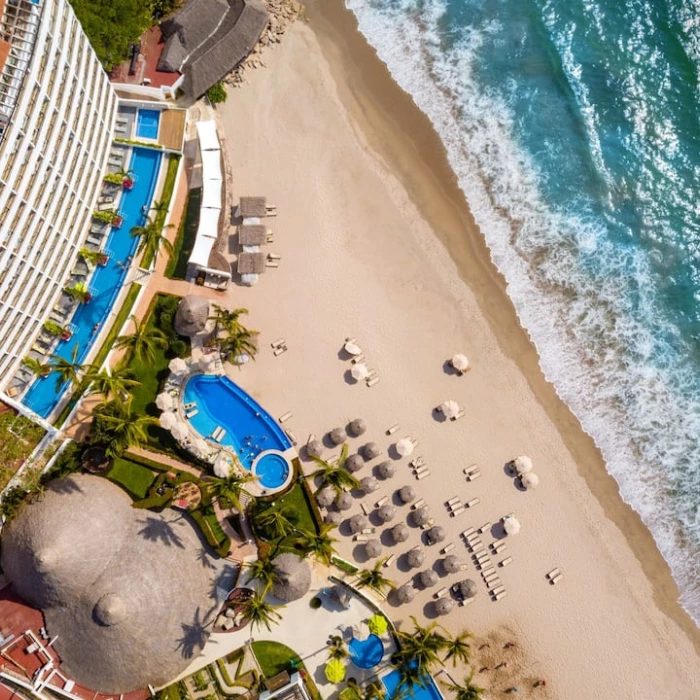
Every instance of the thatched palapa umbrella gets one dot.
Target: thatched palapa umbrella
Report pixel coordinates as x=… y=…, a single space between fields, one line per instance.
x=344 y=501
x=369 y=484
x=357 y=427
x=337 y=436
x=435 y=534
x=407 y=494
x=325 y=497
x=358 y=523
x=314 y=448
x=404 y=447
x=385 y=470
x=465 y=589
x=399 y=533
x=452 y=564
x=192 y=315
x=406 y=593
x=386 y=513
x=292 y=577
x=427 y=578
x=415 y=558
x=370 y=451
x=421 y=516
x=354 y=463
x=444 y=605
x=373 y=548
x=332 y=517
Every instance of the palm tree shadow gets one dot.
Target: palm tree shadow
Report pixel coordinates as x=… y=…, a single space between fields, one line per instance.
x=205 y=559
x=159 y=530
x=194 y=637
x=65 y=486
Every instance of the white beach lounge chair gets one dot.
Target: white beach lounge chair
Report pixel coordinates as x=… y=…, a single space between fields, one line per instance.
x=418 y=504
x=285 y=416
x=453 y=501
x=471 y=468
x=357 y=359
x=368 y=531
x=393 y=429
x=553 y=573
x=390 y=560
x=272 y=263
x=485 y=526
x=278 y=351
x=423 y=475
x=500 y=595
x=506 y=561
x=364 y=508
x=457 y=511
x=192 y=413
x=498 y=589
x=381 y=502
x=278 y=343
x=469 y=531
x=441 y=593
x=361 y=538
x=473 y=502
x=474 y=475
x=447 y=548
x=372 y=381
x=554 y=581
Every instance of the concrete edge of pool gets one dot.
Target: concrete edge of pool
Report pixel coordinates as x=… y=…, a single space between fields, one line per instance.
x=284 y=456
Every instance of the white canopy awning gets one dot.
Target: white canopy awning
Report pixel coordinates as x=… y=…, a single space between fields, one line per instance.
x=211 y=195
x=208 y=224
x=201 y=251
x=208 y=138
x=211 y=165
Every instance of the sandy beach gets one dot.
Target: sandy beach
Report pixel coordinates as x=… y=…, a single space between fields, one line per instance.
x=376 y=243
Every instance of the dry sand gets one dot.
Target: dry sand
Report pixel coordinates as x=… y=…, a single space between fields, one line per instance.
x=362 y=192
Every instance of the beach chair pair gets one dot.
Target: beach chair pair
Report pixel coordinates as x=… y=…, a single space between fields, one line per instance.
x=422 y=473
x=372 y=378
x=189 y=405
x=455 y=506
x=554 y=576
x=218 y=434
x=418 y=504
x=191 y=413
x=472 y=472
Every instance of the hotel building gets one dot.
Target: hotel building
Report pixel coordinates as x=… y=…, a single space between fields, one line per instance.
x=57 y=115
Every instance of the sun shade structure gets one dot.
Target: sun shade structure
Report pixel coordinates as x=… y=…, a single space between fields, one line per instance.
x=450 y=408
x=415 y=558
x=435 y=534
x=180 y=430
x=378 y=624
x=452 y=564
x=325 y=497
x=530 y=480
x=460 y=362
x=337 y=436
x=358 y=523
x=332 y=517
x=407 y=494
x=354 y=463
x=335 y=671
x=251 y=263
x=192 y=315
x=352 y=348
x=386 y=513
x=373 y=548
x=511 y=525
x=421 y=516
x=399 y=533
x=370 y=451
x=385 y=470
x=167 y=420
x=359 y=371
x=344 y=501
x=428 y=578
x=314 y=448
x=126 y=593
x=252 y=207
x=406 y=593
x=404 y=447
x=252 y=234
x=466 y=588
x=444 y=606
x=292 y=577
x=369 y=484
x=357 y=427
x=165 y=402
x=222 y=467
x=178 y=366
x=522 y=464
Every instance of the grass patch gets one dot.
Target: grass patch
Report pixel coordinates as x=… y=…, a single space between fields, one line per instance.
x=274 y=658
x=165 y=197
x=186 y=235
x=132 y=477
x=343 y=565
x=101 y=356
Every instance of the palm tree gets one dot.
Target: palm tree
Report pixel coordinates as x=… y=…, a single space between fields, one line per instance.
x=458 y=648
x=410 y=677
x=230 y=488
x=68 y=370
x=241 y=342
x=422 y=646
x=334 y=475
x=228 y=320
x=336 y=648
x=143 y=342
x=374 y=578
x=262 y=569
x=120 y=427
x=468 y=691
x=151 y=238
x=111 y=385
x=160 y=208
x=276 y=523
x=320 y=543
x=37 y=368
x=259 y=612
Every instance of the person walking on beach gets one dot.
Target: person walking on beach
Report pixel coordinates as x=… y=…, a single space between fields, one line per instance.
x=509 y=645
x=503 y=664
x=539 y=683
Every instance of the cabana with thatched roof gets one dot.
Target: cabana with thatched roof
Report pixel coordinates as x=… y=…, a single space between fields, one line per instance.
x=124 y=592
x=252 y=208
x=292 y=577
x=251 y=263
x=252 y=234
x=192 y=315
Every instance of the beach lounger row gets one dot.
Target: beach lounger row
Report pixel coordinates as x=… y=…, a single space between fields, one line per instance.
x=455 y=506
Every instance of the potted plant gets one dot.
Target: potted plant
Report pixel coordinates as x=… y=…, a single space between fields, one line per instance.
x=53 y=328
x=117 y=221
x=93 y=257
x=36 y=367
x=66 y=333
x=79 y=292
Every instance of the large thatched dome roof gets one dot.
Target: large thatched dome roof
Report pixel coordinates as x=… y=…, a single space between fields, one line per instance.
x=128 y=593
x=192 y=315
x=292 y=577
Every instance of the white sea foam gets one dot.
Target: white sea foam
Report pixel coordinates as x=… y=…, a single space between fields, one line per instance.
x=586 y=303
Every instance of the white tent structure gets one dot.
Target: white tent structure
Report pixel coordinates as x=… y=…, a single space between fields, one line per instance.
x=206 y=133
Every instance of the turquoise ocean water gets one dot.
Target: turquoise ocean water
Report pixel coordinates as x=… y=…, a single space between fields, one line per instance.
x=574 y=129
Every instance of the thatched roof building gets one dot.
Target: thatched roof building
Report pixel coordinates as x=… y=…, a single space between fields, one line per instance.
x=207 y=39
x=126 y=593
x=192 y=315
x=292 y=577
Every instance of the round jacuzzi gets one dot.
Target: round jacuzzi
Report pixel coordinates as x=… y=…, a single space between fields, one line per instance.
x=366 y=653
x=273 y=470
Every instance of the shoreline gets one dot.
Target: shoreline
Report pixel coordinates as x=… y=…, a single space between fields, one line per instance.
x=404 y=140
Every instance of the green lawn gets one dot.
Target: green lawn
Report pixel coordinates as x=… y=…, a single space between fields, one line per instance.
x=274 y=657
x=186 y=235
x=133 y=477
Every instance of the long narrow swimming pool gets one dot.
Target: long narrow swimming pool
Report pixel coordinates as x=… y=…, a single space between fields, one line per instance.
x=105 y=283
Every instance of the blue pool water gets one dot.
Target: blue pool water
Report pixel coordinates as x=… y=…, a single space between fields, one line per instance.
x=366 y=653
x=272 y=470
x=147 y=123
x=250 y=430
x=105 y=282
x=428 y=691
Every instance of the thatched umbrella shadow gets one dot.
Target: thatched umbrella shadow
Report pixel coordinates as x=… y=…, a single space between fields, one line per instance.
x=438 y=415
x=402 y=563
x=386 y=538
x=158 y=530
x=498 y=532
x=429 y=611
x=447 y=368
x=194 y=637
x=205 y=559
x=359 y=554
